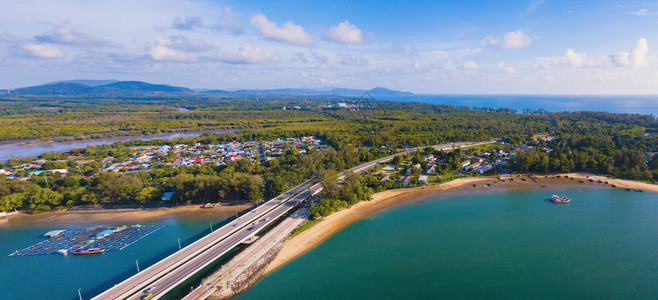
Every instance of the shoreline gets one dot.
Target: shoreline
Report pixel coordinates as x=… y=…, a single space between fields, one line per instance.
x=64 y=217
x=332 y=224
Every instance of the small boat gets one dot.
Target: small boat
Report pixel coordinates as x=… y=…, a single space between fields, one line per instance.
x=87 y=251
x=560 y=199
x=639 y=190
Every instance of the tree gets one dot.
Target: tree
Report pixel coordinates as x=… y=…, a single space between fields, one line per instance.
x=148 y=194
x=114 y=187
x=329 y=181
x=397 y=160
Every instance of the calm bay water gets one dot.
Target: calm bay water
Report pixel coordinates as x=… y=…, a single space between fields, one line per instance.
x=502 y=245
x=59 y=276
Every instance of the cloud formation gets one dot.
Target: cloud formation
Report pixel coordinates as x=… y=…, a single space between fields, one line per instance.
x=470 y=65
x=69 y=36
x=251 y=55
x=228 y=24
x=163 y=51
x=505 y=68
x=42 y=50
x=288 y=33
x=571 y=58
x=187 y=23
x=511 y=40
x=344 y=33
x=642 y=12
x=637 y=57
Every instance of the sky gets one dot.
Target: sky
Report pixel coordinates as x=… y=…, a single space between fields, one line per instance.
x=426 y=47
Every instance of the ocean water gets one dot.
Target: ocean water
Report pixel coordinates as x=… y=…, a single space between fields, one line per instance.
x=553 y=103
x=502 y=245
x=60 y=277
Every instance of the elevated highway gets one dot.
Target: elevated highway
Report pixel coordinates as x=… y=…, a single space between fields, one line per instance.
x=171 y=271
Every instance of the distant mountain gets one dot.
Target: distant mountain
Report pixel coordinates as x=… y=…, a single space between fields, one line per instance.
x=64 y=89
x=146 y=87
x=281 y=92
x=308 y=92
x=222 y=92
x=347 y=92
x=378 y=91
x=89 y=82
x=113 y=88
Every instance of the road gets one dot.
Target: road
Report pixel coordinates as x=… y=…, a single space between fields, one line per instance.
x=142 y=279
x=176 y=268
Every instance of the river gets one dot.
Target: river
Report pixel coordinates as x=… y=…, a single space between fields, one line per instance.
x=27 y=149
x=505 y=245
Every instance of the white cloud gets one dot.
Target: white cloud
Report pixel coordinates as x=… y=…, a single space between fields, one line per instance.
x=571 y=58
x=344 y=33
x=69 y=36
x=637 y=57
x=163 y=51
x=187 y=23
x=505 y=68
x=457 y=53
x=348 y=59
x=43 y=50
x=511 y=40
x=289 y=32
x=184 y=43
x=251 y=55
x=532 y=7
x=642 y=12
x=470 y=65
x=228 y=24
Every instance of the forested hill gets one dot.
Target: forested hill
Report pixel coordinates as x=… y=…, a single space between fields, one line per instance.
x=116 y=89
x=113 y=88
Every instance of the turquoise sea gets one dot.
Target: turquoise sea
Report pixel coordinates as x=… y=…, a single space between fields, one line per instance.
x=501 y=245
x=554 y=103
x=60 y=277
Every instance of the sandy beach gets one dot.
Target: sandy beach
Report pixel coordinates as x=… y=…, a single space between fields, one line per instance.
x=320 y=232
x=120 y=216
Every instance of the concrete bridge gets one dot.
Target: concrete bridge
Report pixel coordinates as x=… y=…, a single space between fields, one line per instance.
x=173 y=270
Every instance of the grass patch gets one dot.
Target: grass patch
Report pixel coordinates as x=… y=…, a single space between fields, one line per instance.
x=303 y=228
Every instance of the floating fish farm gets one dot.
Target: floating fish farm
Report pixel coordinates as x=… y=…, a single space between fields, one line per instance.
x=103 y=238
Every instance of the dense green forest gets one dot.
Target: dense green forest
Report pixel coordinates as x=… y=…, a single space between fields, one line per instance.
x=614 y=144
x=601 y=143
x=380 y=122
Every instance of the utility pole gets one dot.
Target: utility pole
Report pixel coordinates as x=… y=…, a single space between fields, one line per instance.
x=137 y=263
x=79 y=295
x=46 y=179
x=210 y=226
x=179 y=244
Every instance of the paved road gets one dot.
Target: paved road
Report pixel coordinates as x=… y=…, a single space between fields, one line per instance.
x=143 y=279
x=171 y=271
x=191 y=267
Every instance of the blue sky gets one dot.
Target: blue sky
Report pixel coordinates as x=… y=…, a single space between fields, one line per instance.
x=440 y=47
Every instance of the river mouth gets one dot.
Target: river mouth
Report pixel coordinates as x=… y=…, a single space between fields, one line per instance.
x=34 y=148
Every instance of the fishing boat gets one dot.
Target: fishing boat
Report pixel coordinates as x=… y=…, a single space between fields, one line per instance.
x=87 y=251
x=560 y=199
